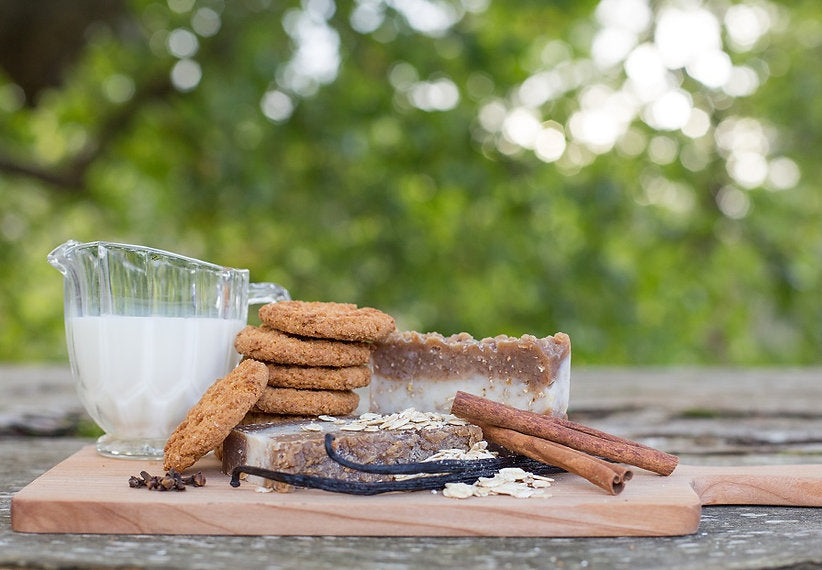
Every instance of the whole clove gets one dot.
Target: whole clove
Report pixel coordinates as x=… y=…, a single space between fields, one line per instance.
x=171 y=481
x=196 y=480
x=136 y=482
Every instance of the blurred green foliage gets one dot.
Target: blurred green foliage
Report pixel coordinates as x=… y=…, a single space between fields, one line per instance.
x=344 y=183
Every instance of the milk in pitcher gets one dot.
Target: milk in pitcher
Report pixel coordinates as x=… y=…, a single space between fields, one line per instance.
x=140 y=375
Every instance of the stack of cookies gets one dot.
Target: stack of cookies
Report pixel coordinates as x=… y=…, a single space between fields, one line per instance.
x=316 y=354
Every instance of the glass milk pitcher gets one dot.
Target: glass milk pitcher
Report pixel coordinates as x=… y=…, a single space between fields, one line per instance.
x=148 y=332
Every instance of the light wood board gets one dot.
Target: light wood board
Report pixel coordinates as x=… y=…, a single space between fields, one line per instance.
x=88 y=493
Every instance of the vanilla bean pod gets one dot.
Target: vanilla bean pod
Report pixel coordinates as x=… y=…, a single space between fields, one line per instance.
x=346 y=486
x=358 y=487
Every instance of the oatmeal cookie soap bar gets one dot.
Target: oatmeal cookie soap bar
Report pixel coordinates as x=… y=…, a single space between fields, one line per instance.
x=424 y=371
x=298 y=446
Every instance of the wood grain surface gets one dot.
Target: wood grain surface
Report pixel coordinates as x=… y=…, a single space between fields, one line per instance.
x=88 y=493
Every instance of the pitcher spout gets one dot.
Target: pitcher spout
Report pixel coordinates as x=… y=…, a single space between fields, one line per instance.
x=58 y=258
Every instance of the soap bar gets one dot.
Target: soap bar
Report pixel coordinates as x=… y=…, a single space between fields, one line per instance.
x=298 y=446
x=425 y=371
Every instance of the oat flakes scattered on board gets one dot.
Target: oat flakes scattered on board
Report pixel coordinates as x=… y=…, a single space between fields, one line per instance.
x=511 y=481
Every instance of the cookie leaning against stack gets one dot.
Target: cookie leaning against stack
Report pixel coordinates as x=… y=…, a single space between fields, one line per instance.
x=316 y=353
x=211 y=419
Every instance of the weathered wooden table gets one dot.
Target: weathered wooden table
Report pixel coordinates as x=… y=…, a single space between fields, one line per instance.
x=707 y=416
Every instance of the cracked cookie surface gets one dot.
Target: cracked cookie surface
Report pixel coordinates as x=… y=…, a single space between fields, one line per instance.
x=291 y=401
x=318 y=377
x=338 y=321
x=272 y=345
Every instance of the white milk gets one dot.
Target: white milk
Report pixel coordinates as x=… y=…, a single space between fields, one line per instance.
x=138 y=376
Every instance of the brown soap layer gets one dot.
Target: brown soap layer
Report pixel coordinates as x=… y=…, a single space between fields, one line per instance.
x=411 y=355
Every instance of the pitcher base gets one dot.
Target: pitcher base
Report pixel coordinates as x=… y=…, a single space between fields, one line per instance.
x=151 y=449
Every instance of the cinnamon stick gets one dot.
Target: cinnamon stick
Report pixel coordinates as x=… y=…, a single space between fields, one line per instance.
x=608 y=476
x=483 y=411
x=597 y=433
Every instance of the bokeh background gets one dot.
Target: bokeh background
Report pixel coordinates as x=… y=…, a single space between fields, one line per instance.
x=643 y=176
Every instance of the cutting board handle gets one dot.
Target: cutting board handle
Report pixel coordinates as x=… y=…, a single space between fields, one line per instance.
x=793 y=485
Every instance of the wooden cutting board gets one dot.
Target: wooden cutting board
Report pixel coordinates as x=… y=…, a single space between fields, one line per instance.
x=88 y=493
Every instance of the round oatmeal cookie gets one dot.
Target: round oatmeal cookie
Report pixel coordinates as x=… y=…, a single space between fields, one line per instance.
x=318 y=377
x=338 y=321
x=307 y=402
x=211 y=419
x=266 y=343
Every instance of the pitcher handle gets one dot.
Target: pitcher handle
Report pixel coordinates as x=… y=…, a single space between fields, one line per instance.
x=259 y=293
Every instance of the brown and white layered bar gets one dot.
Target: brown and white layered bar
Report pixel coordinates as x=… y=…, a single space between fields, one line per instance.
x=425 y=371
